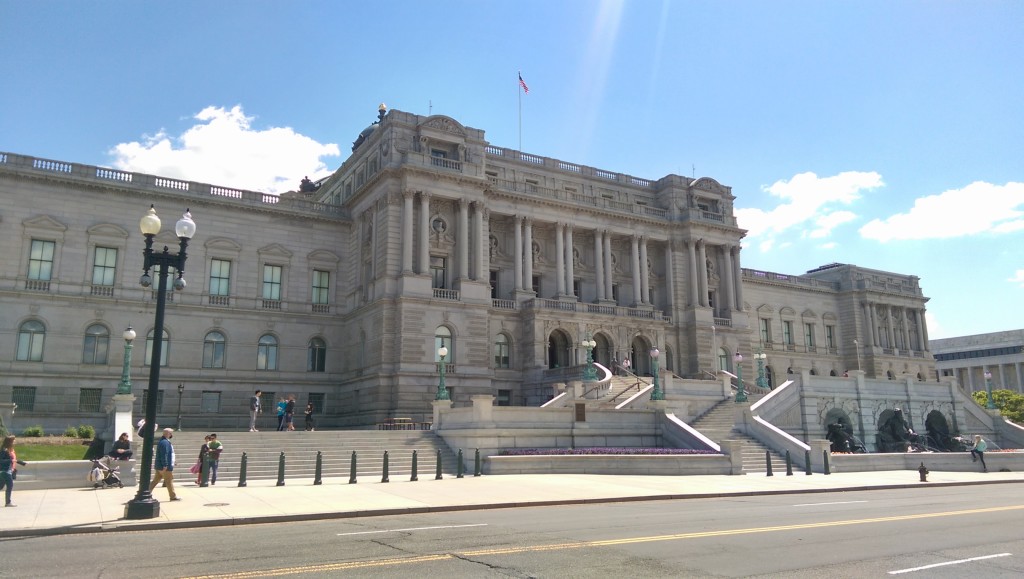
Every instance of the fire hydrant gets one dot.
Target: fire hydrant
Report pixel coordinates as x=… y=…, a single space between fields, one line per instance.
x=923 y=471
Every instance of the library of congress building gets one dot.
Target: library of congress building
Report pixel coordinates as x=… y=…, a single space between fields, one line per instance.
x=344 y=291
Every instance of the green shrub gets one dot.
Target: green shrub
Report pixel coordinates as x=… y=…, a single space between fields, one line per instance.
x=33 y=431
x=71 y=432
x=86 y=431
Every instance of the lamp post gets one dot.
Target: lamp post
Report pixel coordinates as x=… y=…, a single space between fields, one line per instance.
x=442 y=392
x=125 y=385
x=181 y=390
x=589 y=372
x=991 y=405
x=761 y=381
x=657 y=393
x=144 y=506
x=741 y=394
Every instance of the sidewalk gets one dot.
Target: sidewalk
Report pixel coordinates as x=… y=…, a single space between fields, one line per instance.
x=84 y=510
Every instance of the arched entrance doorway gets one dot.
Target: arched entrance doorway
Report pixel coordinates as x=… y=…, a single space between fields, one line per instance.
x=640 y=354
x=559 y=350
x=603 y=350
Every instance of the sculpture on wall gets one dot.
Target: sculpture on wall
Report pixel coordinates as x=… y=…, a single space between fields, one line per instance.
x=895 y=434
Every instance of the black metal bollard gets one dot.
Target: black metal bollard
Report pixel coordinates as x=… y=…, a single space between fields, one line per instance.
x=204 y=473
x=768 y=461
x=318 y=476
x=384 y=477
x=438 y=476
x=415 y=476
x=460 y=468
x=789 y=464
x=824 y=456
x=242 y=469
x=352 y=470
x=476 y=465
x=280 y=470
x=807 y=462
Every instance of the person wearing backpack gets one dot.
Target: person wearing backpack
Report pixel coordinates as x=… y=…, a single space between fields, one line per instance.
x=213 y=457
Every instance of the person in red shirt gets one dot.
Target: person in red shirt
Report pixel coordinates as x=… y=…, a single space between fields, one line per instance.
x=8 y=468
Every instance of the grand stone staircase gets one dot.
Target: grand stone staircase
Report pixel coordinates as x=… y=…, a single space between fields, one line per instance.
x=621 y=389
x=263 y=450
x=717 y=424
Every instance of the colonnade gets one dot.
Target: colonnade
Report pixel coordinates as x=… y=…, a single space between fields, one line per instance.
x=465 y=267
x=885 y=335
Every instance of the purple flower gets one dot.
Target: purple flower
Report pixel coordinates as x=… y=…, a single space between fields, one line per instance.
x=602 y=451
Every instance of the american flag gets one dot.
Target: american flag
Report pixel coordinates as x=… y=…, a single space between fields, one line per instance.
x=522 y=83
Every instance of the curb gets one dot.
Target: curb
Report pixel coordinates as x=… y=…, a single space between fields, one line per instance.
x=126 y=526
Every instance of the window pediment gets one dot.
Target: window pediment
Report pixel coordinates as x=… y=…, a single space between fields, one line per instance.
x=274 y=250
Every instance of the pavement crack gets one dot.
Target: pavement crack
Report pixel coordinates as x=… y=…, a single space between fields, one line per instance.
x=499 y=568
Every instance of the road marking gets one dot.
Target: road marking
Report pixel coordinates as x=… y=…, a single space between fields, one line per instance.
x=933 y=565
x=836 y=503
x=413 y=529
x=590 y=544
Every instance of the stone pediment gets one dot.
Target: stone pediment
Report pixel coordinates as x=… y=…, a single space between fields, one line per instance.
x=44 y=222
x=445 y=125
x=808 y=314
x=765 y=309
x=323 y=256
x=710 y=185
x=223 y=244
x=107 y=230
x=274 y=250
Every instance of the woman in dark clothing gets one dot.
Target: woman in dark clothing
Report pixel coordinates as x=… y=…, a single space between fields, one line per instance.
x=289 y=413
x=122 y=449
x=309 y=417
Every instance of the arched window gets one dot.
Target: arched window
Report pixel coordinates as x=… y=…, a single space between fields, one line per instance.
x=723 y=359
x=31 y=336
x=501 y=351
x=97 y=342
x=443 y=337
x=165 y=347
x=317 y=358
x=213 y=350
x=266 y=355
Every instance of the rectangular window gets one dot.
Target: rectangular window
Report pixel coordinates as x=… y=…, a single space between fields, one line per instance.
x=103 y=266
x=494 y=284
x=787 y=332
x=24 y=397
x=504 y=398
x=159 y=401
x=615 y=292
x=317 y=400
x=89 y=399
x=766 y=331
x=40 y=262
x=809 y=335
x=535 y=284
x=321 y=287
x=272 y=282
x=830 y=336
x=438 y=267
x=576 y=287
x=220 y=277
x=210 y=402
x=165 y=345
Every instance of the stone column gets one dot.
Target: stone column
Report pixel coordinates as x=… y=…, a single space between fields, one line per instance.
x=559 y=259
x=924 y=330
x=528 y=248
x=463 y=240
x=608 y=273
x=691 y=254
x=645 y=275
x=517 y=265
x=1020 y=377
x=570 y=273
x=702 y=271
x=670 y=280
x=634 y=252
x=906 y=330
x=876 y=336
x=738 y=276
x=407 y=231
x=727 y=277
x=482 y=237
x=424 y=264
x=890 y=329
x=598 y=264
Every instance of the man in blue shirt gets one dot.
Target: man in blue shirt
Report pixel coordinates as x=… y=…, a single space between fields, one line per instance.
x=165 y=464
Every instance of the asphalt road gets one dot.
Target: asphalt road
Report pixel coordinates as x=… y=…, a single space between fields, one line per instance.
x=938 y=532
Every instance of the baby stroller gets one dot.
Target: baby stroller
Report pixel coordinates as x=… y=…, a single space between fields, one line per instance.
x=105 y=473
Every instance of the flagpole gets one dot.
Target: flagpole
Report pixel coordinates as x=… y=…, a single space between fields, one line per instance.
x=519 y=92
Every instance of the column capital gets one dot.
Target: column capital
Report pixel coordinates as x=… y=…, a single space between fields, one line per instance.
x=408 y=193
x=425 y=195
x=464 y=203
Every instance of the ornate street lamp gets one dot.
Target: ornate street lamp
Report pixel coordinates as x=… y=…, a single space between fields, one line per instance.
x=741 y=394
x=144 y=506
x=589 y=372
x=125 y=386
x=991 y=405
x=442 y=392
x=761 y=381
x=656 y=393
x=181 y=390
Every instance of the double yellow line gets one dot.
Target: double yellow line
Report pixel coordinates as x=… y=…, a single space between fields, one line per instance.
x=591 y=544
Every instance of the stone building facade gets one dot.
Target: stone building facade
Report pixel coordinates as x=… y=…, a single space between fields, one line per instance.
x=968 y=358
x=427 y=235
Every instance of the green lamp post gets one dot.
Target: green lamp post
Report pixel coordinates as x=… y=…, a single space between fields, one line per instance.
x=657 y=393
x=991 y=404
x=442 y=392
x=125 y=385
x=762 y=381
x=589 y=371
x=741 y=394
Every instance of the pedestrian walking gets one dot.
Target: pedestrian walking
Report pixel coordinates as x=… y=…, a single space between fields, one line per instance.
x=9 y=469
x=289 y=413
x=197 y=468
x=254 y=410
x=213 y=457
x=280 y=413
x=309 y=417
x=978 y=451
x=165 y=464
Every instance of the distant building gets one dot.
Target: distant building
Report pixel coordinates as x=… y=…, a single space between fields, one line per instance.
x=427 y=235
x=967 y=358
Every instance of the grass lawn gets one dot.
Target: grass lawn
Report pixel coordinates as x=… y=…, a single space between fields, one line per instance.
x=50 y=448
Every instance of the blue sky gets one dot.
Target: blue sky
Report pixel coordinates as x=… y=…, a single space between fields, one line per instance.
x=880 y=133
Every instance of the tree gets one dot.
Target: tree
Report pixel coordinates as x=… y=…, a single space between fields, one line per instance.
x=1009 y=403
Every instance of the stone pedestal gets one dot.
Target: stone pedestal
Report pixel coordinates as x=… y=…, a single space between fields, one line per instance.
x=439 y=407
x=121 y=408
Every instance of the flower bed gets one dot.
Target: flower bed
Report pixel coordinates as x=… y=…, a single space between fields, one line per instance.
x=601 y=451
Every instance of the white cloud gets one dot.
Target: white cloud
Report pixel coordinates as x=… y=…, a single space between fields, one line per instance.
x=935 y=330
x=807 y=202
x=1018 y=277
x=977 y=208
x=224 y=149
